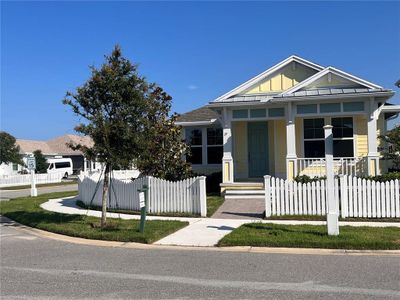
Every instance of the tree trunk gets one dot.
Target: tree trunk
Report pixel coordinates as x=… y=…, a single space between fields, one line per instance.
x=105 y=196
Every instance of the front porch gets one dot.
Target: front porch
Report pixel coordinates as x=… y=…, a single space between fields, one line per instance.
x=284 y=144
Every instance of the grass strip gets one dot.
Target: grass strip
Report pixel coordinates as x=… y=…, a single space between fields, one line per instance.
x=27 y=211
x=23 y=187
x=214 y=201
x=311 y=236
x=323 y=218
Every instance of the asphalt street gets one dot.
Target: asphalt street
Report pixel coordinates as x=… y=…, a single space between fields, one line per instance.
x=10 y=194
x=42 y=268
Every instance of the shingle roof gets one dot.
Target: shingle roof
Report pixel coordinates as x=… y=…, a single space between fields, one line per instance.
x=59 y=144
x=28 y=146
x=198 y=115
x=56 y=146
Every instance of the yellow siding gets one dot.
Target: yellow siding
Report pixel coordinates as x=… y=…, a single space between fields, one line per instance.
x=240 y=149
x=271 y=148
x=361 y=132
x=282 y=79
x=280 y=146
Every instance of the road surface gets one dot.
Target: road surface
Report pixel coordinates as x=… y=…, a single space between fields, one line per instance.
x=38 y=267
x=10 y=194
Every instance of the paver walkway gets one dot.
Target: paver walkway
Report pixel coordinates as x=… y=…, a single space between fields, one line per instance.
x=241 y=209
x=199 y=232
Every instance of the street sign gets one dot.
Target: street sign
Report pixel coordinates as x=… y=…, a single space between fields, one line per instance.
x=142 y=202
x=31 y=162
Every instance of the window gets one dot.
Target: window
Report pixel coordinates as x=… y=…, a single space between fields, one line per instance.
x=329 y=107
x=214 y=145
x=276 y=112
x=15 y=167
x=61 y=165
x=314 y=140
x=343 y=140
x=240 y=113
x=353 y=106
x=257 y=113
x=194 y=138
x=307 y=109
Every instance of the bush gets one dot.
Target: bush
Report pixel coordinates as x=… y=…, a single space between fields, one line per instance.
x=384 y=177
x=307 y=179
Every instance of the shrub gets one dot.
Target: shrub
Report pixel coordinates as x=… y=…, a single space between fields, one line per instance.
x=307 y=179
x=384 y=177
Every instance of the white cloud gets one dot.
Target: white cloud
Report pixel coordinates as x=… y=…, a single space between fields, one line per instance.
x=192 y=87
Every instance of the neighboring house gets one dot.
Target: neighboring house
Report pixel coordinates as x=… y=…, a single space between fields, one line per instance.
x=50 y=149
x=273 y=124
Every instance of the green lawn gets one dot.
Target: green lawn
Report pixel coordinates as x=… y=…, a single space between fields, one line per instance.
x=323 y=218
x=213 y=203
x=27 y=211
x=22 y=187
x=309 y=236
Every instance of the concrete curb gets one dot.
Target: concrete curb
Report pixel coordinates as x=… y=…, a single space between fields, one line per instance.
x=245 y=249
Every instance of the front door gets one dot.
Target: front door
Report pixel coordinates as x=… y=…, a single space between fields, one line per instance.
x=257 y=133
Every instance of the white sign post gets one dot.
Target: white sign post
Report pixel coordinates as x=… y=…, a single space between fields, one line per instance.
x=332 y=217
x=31 y=167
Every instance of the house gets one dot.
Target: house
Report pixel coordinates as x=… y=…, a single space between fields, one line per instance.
x=50 y=149
x=273 y=124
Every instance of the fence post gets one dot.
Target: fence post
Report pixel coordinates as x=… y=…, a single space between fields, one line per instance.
x=267 y=190
x=343 y=195
x=332 y=216
x=203 y=196
x=33 y=184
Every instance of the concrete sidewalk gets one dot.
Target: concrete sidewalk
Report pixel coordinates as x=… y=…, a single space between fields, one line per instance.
x=200 y=231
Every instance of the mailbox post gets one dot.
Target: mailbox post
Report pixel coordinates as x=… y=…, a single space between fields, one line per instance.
x=143 y=202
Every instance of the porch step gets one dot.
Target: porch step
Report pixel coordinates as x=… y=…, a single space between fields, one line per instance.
x=245 y=194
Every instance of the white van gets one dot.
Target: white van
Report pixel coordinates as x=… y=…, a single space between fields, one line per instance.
x=60 y=165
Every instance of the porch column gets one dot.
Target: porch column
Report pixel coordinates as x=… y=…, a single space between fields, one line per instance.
x=373 y=154
x=227 y=160
x=291 y=157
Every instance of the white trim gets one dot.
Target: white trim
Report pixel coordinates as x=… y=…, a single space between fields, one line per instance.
x=390 y=108
x=266 y=73
x=330 y=70
x=196 y=123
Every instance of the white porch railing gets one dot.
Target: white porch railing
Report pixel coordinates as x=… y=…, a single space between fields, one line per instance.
x=315 y=167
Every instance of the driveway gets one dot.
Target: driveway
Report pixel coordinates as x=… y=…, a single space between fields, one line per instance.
x=10 y=194
x=241 y=209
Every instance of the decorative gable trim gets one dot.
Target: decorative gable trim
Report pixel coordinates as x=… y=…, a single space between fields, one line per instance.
x=266 y=73
x=329 y=71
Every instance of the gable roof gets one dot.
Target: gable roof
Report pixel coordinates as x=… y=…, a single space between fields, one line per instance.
x=199 y=115
x=349 y=84
x=56 y=146
x=327 y=72
x=266 y=73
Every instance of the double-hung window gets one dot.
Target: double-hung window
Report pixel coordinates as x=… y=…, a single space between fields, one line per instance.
x=214 y=145
x=314 y=141
x=194 y=139
x=343 y=139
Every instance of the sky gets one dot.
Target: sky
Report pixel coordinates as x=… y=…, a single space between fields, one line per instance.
x=196 y=51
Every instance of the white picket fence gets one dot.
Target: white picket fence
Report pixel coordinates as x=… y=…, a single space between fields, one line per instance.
x=17 y=180
x=186 y=196
x=369 y=199
x=354 y=197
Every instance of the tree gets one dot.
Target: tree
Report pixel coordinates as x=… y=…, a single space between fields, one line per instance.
x=165 y=160
x=392 y=146
x=121 y=112
x=41 y=162
x=9 y=151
